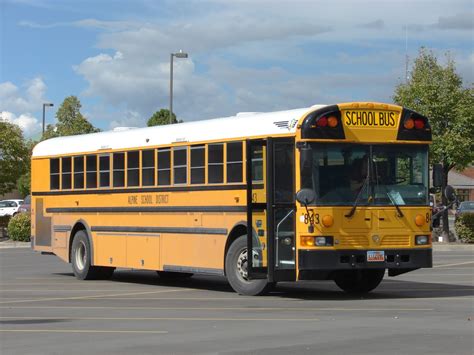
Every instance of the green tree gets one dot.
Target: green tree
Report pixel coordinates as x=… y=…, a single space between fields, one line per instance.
x=437 y=91
x=14 y=156
x=162 y=117
x=70 y=120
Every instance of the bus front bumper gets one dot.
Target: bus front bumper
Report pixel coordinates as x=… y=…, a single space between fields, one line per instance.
x=394 y=259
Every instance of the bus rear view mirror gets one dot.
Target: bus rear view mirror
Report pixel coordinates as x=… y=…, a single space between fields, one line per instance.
x=306 y=196
x=449 y=193
x=438 y=175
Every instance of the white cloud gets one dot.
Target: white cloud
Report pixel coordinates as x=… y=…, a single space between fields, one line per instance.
x=31 y=99
x=29 y=124
x=17 y=104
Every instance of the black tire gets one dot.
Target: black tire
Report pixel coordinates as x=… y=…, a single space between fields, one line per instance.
x=359 y=281
x=171 y=275
x=81 y=260
x=236 y=278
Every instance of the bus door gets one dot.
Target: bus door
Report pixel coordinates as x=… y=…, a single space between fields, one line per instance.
x=271 y=209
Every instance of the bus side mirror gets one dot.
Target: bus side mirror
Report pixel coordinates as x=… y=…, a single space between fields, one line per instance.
x=306 y=196
x=438 y=175
x=449 y=193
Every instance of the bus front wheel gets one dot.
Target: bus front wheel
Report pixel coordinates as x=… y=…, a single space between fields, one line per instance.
x=359 y=281
x=236 y=270
x=81 y=260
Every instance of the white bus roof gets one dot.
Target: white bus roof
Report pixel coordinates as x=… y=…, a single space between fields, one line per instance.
x=245 y=124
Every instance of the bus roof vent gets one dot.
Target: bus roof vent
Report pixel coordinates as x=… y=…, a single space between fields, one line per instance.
x=121 y=129
x=281 y=124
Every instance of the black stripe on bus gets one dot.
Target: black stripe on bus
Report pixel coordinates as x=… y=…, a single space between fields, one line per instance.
x=147 y=209
x=146 y=189
x=174 y=230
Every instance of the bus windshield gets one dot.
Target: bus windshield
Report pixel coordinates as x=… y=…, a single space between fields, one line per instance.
x=371 y=174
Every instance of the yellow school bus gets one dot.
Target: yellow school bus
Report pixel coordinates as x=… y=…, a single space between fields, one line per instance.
x=329 y=192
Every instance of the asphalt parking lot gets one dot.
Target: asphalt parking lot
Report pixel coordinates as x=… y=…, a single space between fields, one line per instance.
x=45 y=310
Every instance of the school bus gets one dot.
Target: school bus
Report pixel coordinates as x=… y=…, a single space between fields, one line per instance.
x=330 y=192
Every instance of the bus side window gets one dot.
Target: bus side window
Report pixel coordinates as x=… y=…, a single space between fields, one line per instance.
x=234 y=162
x=104 y=170
x=79 y=172
x=133 y=170
x=91 y=171
x=148 y=167
x=54 y=174
x=66 y=176
x=164 y=166
x=197 y=164
x=180 y=165
x=119 y=169
x=215 y=162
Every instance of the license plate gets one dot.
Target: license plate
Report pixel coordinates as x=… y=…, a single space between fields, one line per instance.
x=375 y=256
x=376 y=119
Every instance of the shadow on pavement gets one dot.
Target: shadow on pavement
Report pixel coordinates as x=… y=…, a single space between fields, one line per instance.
x=303 y=290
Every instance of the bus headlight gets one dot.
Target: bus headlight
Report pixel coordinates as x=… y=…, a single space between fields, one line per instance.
x=422 y=240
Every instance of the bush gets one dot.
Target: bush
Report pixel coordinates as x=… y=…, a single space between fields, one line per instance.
x=19 y=227
x=465 y=227
x=3 y=225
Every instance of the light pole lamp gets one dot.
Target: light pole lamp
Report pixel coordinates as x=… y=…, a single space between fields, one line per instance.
x=179 y=54
x=47 y=104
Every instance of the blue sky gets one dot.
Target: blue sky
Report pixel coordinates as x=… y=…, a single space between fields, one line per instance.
x=243 y=55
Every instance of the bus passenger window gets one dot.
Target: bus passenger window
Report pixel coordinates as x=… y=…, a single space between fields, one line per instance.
x=66 y=173
x=234 y=162
x=148 y=167
x=79 y=172
x=164 y=167
x=197 y=164
x=104 y=170
x=119 y=169
x=54 y=174
x=91 y=171
x=215 y=162
x=133 y=171
x=179 y=165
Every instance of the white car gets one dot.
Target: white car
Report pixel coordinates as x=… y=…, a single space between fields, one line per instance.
x=9 y=207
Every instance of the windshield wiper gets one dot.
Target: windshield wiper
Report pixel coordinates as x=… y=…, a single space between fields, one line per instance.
x=356 y=202
x=400 y=213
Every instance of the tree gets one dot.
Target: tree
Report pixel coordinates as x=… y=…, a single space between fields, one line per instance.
x=162 y=117
x=24 y=182
x=437 y=92
x=70 y=120
x=14 y=156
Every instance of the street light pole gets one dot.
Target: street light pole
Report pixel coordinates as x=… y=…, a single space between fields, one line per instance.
x=179 y=54
x=44 y=107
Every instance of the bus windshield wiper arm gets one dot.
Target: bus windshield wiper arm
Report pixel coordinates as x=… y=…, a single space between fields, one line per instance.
x=356 y=202
x=400 y=213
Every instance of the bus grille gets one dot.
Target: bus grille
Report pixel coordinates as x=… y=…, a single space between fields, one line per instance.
x=353 y=241
x=395 y=241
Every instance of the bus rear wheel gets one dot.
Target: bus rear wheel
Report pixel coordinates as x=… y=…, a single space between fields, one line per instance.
x=359 y=281
x=236 y=270
x=81 y=260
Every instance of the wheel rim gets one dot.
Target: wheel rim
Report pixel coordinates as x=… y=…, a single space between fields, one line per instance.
x=242 y=270
x=81 y=255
